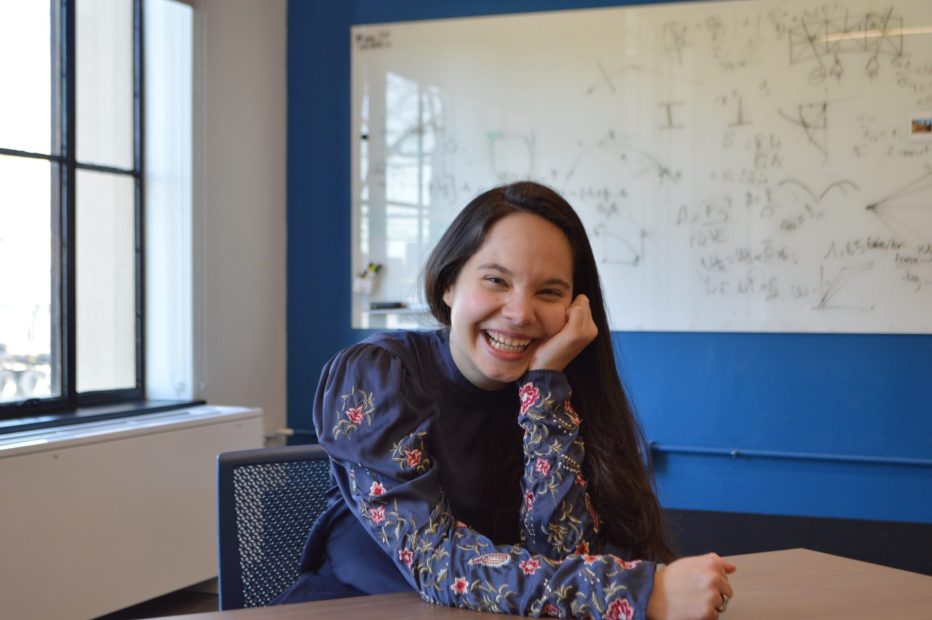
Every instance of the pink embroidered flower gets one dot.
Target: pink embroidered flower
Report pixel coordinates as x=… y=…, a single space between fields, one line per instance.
x=459 y=585
x=625 y=564
x=542 y=466
x=590 y=559
x=528 y=395
x=354 y=414
x=619 y=609
x=582 y=548
x=377 y=514
x=406 y=556
x=413 y=457
x=550 y=610
x=529 y=566
x=529 y=500
x=568 y=407
x=580 y=480
x=376 y=489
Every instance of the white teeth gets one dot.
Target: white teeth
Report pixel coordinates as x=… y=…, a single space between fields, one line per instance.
x=504 y=343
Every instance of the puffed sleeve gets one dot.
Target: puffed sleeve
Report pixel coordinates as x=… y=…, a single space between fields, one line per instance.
x=557 y=516
x=375 y=422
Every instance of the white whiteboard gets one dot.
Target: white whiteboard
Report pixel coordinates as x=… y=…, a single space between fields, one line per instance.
x=739 y=166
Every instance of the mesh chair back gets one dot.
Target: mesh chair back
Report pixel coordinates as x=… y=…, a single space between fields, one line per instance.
x=268 y=500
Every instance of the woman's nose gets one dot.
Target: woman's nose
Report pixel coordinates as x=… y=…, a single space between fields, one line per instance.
x=518 y=309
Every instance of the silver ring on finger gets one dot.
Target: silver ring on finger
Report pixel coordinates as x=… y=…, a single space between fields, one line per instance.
x=721 y=608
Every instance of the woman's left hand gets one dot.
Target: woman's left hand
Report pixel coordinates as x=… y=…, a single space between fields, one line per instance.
x=559 y=350
x=693 y=588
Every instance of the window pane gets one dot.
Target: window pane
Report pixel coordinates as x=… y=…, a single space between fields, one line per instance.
x=29 y=366
x=25 y=119
x=104 y=82
x=105 y=282
x=169 y=52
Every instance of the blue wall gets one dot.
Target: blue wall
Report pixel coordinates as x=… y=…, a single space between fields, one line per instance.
x=861 y=395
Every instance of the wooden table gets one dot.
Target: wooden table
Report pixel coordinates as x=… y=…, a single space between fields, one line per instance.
x=778 y=585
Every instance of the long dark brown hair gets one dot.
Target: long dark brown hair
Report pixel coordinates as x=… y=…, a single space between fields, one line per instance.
x=620 y=486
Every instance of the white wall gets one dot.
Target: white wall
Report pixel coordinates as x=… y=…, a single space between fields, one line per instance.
x=239 y=204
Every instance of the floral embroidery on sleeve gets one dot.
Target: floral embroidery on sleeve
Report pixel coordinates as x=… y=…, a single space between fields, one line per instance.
x=406 y=556
x=491 y=559
x=529 y=566
x=624 y=564
x=459 y=585
x=377 y=513
x=557 y=515
x=619 y=609
x=410 y=455
x=529 y=396
x=356 y=407
x=564 y=527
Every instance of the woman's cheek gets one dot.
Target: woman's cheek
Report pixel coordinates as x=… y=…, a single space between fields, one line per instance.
x=557 y=320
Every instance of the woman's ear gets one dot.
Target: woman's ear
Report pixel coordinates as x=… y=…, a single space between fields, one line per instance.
x=448 y=296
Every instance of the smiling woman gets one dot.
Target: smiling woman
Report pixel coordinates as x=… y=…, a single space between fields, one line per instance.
x=495 y=463
x=511 y=297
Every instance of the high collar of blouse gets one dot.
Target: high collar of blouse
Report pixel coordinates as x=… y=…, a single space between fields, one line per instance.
x=457 y=380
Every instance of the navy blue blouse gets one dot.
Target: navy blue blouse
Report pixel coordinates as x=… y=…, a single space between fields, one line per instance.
x=407 y=435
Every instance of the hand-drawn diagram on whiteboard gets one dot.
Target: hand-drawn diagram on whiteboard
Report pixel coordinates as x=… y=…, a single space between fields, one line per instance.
x=740 y=166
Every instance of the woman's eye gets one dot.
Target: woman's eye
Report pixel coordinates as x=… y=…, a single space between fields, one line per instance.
x=494 y=280
x=551 y=292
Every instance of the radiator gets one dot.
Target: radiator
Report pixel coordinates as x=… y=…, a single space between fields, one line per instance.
x=97 y=517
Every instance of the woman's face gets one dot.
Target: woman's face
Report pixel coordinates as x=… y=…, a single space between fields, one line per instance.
x=509 y=297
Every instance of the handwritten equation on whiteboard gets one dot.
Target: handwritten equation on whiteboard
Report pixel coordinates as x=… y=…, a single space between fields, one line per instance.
x=739 y=166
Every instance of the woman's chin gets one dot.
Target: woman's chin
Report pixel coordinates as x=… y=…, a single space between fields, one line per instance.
x=505 y=376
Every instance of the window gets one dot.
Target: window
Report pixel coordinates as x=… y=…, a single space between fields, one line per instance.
x=72 y=188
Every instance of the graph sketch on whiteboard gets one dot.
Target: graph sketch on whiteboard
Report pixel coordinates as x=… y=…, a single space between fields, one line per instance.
x=907 y=212
x=833 y=288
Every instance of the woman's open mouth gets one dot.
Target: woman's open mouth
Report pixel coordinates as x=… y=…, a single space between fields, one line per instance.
x=506 y=344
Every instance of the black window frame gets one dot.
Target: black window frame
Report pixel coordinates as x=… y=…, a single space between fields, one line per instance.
x=64 y=169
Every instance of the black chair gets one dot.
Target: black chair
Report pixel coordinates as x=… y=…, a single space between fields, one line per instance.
x=267 y=501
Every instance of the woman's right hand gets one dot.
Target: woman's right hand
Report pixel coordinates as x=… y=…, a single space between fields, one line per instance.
x=690 y=589
x=577 y=332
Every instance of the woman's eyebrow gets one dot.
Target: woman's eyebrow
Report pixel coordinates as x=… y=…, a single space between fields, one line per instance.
x=558 y=282
x=550 y=282
x=496 y=267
